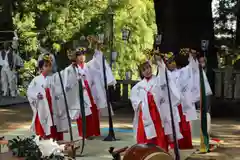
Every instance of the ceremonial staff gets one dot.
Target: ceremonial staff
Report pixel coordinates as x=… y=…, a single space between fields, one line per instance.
x=82 y=113
x=111 y=134
x=204 y=136
x=176 y=149
x=65 y=98
x=65 y=101
x=81 y=97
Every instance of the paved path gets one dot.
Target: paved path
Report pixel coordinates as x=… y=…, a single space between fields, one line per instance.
x=16 y=120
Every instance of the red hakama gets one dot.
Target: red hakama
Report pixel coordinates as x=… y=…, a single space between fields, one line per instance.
x=38 y=127
x=92 y=121
x=161 y=140
x=185 y=129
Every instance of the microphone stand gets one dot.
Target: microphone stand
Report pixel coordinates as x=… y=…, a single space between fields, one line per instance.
x=176 y=149
x=111 y=134
x=65 y=100
x=82 y=109
x=66 y=104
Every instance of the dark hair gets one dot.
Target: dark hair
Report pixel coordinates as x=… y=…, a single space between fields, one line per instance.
x=181 y=60
x=79 y=53
x=42 y=62
x=200 y=55
x=141 y=66
x=7 y=45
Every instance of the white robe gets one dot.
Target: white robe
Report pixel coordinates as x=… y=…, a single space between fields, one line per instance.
x=98 y=65
x=157 y=86
x=196 y=80
x=8 y=75
x=58 y=103
x=95 y=67
x=184 y=81
x=84 y=74
x=93 y=72
x=71 y=87
x=39 y=107
x=52 y=82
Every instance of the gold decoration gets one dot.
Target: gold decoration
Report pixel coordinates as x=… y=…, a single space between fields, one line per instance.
x=47 y=58
x=93 y=41
x=81 y=49
x=184 y=51
x=168 y=57
x=148 y=53
x=146 y=56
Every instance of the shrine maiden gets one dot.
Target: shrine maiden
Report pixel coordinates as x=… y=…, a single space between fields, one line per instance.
x=182 y=77
x=92 y=120
x=49 y=120
x=149 y=97
x=95 y=100
x=196 y=79
x=99 y=93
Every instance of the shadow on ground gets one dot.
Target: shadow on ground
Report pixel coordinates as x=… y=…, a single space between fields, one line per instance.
x=14 y=117
x=228 y=130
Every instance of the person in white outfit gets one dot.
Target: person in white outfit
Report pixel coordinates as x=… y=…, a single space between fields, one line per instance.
x=44 y=52
x=9 y=61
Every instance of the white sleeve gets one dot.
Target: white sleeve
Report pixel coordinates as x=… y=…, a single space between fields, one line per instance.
x=207 y=85
x=97 y=62
x=174 y=96
x=135 y=98
x=32 y=92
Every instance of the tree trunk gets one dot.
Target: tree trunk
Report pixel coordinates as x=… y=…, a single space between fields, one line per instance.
x=165 y=11
x=184 y=24
x=6 y=23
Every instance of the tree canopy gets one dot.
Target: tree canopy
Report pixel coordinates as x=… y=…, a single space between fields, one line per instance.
x=51 y=22
x=227 y=22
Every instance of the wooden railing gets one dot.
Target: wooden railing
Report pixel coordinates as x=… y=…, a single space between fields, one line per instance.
x=227 y=84
x=227 y=87
x=120 y=95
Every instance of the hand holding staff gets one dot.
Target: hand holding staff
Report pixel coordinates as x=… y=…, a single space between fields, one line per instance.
x=94 y=41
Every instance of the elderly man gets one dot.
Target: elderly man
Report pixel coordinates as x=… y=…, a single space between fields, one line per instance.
x=10 y=62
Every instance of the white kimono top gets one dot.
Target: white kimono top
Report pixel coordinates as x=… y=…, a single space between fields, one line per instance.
x=157 y=86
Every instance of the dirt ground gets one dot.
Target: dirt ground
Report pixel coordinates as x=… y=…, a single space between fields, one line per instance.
x=228 y=130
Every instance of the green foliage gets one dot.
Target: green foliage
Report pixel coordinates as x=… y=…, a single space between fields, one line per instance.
x=27 y=73
x=28 y=38
x=225 y=21
x=28 y=149
x=24 y=148
x=54 y=21
x=139 y=17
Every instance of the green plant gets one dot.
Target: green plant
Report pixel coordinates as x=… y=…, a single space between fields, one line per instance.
x=28 y=149
x=27 y=73
x=24 y=148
